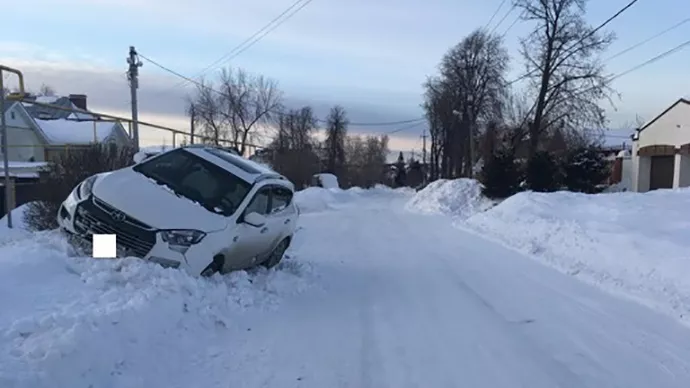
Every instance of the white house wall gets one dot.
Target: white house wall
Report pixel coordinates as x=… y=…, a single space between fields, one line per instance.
x=673 y=128
x=21 y=139
x=684 y=175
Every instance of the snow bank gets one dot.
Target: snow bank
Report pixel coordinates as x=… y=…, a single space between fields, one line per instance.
x=19 y=228
x=631 y=244
x=460 y=198
x=318 y=199
x=327 y=181
x=79 y=322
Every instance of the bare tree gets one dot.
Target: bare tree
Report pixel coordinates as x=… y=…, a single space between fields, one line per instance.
x=563 y=64
x=293 y=148
x=334 y=145
x=236 y=110
x=46 y=90
x=468 y=93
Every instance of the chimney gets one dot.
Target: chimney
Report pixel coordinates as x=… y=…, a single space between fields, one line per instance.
x=79 y=100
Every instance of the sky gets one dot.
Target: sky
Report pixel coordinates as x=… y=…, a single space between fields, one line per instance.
x=371 y=57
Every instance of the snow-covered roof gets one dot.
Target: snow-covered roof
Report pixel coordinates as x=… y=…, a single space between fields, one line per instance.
x=615 y=138
x=24 y=169
x=75 y=132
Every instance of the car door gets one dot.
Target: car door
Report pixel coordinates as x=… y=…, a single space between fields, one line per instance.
x=282 y=214
x=249 y=241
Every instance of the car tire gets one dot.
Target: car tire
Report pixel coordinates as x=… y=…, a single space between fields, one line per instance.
x=277 y=254
x=215 y=266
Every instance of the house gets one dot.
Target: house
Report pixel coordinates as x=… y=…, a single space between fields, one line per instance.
x=36 y=135
x=661 y=150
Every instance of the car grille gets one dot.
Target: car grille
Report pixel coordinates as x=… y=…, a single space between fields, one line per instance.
x=98 y=217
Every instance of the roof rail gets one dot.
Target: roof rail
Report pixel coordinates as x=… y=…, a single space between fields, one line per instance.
x=269 y=175
x=232 y=150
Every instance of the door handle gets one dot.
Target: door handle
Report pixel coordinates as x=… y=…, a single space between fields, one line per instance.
x=287 y=221
x=264 y=230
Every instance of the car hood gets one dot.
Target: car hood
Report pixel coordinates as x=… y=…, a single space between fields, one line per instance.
x=153 y=204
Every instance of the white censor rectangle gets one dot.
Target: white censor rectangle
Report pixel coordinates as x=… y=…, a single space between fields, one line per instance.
x=104 y=246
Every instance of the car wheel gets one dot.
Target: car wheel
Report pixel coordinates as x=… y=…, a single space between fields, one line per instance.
x=277 y=255
x=215 y=266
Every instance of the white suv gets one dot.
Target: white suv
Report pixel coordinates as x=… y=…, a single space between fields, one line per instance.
x=201 y=208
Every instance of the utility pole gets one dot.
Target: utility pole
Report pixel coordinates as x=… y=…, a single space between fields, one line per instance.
x=5 y=146
x=424 y=169
x=424 y=136
x=5 y=150
x=133 y=77
x=192 y=120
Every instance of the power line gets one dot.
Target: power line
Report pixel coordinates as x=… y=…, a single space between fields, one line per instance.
x=654 y=59
x=502 y=19
x=405 y=128
x=673 y=27
x=624 y=73
x=279 y=113
x=254 y=38
x=588 y=35
x=494 y=14
x=517 y=19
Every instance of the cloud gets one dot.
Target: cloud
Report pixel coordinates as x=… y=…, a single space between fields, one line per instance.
x=159 y=101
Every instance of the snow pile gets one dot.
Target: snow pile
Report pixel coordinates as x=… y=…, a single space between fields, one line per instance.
x=631 y=244
x=19 y=228
x=315 y=199
x=460 y=198
x=318 y=199
x=78 y=322
x=328 y=181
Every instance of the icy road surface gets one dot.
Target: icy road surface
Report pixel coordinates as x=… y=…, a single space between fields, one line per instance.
x=399 y=300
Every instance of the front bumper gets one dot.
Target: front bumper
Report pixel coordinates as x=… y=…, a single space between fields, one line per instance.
x=84 y=218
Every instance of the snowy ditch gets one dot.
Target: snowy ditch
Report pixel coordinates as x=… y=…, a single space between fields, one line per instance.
x=60 y=313
x=66 y=316
x=635 y=245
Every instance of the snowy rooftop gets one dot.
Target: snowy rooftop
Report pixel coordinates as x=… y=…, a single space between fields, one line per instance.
x=76 y=132
x=618 y=137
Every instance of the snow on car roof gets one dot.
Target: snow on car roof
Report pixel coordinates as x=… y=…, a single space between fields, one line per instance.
x=239 y=166
x=245 y=164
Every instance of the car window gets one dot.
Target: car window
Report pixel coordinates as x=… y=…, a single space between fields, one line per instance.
x=281 y=199
x=197 y=179
x=259 y=203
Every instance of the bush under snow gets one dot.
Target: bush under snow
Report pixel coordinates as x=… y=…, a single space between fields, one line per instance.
x=460 y=198
x=632 y=244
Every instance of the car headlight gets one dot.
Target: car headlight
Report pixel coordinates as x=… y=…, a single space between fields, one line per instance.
x=181 y=240
x=86 y=187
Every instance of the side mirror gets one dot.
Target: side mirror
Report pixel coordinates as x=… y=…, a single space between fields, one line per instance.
x=139 y=157
x=255 y=219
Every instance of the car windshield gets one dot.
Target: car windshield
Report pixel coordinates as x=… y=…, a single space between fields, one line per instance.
x=199 y=180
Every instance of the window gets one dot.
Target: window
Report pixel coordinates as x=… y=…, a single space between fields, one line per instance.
x=259 y=203
x=12 y=115
x=199 y=180
x=281 y=199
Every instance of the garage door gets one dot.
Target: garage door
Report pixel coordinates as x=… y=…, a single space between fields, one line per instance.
x=661 y=174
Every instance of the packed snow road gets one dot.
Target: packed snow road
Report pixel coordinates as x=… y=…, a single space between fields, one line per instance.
x=394 y=300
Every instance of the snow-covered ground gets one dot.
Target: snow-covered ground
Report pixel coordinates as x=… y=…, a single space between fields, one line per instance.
x=630 y=244
x=372 y=296
x=633 y=244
